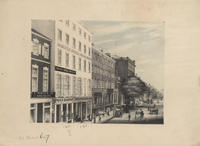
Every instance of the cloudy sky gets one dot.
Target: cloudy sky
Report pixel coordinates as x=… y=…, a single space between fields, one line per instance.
x=141 y=41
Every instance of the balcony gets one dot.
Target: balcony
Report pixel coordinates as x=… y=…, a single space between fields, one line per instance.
x=43 y=94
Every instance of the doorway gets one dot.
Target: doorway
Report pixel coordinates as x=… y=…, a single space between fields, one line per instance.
x=40 y=113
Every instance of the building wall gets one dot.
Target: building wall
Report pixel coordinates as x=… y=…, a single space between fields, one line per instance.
x=40 y=103
x=59 y=67
x=40 y=59
x=122 y=69
x=50 y=29
x=41 y=66
x=68 y=48
x=125 y=67
x=47 y=28
x=103 y=76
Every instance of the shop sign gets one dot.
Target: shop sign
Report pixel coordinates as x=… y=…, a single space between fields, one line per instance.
x=57 y=68
x=43 y=94
x=56 y=100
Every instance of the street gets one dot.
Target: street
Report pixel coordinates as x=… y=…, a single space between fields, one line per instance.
x=134 y=119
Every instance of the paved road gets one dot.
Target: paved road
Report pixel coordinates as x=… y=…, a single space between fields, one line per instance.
x=148 y=118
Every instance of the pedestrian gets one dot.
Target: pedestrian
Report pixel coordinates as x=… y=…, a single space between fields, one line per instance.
x=94 y=118
x=129 y=116
x=99 y=118
x=141 y=114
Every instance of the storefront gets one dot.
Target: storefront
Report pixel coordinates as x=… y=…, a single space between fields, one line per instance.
x=41 y=111
x=71 y=110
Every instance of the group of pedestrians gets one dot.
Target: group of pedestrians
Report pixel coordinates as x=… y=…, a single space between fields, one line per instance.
x=139 y=112
x=100 y=116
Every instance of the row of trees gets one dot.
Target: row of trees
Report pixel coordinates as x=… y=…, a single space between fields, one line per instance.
x=136 y=87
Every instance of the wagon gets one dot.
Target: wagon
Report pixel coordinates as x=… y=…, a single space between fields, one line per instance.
x=118 y=113
x=153 y=111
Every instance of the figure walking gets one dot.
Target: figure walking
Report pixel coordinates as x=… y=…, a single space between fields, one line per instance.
x=141 y=114
x=129 y=116
x=99 y=118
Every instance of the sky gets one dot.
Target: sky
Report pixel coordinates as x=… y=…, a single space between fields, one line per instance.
x=140 y=41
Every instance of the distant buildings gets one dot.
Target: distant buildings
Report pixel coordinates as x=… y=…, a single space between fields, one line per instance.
x=104 y=92
x=125 y=68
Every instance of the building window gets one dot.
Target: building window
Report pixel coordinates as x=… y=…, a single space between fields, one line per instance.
x=58 y=85
x=89 y=67
x=67 y=22
x=74 y=27
x=35 y=46
x=84 y=86
x=47 y=114
x=45 y=79
x=89 y=87
x=67 y=59
x=79 y=30
x=85 y=35
x=79 y=46
x=67 y=38
x=88 y=38
x=84 y=65
x=59 y=56
x=66 y=85
x=74 y=85
x=33 y=113
x=59 y=35
x=89 y=51
x=45 y=50
x=79 y=63
x=74 y=43
x=84 y=48
x=79 y=88
x=34 y=78
x=74 y=62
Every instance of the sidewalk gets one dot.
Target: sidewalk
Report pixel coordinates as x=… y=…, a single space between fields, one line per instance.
x=104 y=118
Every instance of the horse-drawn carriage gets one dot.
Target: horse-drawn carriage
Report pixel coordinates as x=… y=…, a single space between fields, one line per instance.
x=139 y=114
x=153 y=110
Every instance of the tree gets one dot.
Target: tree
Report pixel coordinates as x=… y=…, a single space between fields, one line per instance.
x=134 y=87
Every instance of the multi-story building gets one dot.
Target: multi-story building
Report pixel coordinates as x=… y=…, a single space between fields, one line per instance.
x=125 y=68
x=103 y=77
x=41 y=97
x=71 y=68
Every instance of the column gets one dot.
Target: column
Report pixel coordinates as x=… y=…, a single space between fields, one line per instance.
x=77 y=109
x=86 y=115
x=43 y=112
x=67 y=112
x=72 y=112
x=81 y=112
x=50 y=112
x=61 y=112
x=55 y=113
x=36 y=112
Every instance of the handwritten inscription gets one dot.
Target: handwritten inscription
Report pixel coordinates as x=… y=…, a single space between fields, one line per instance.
x=42 y=136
